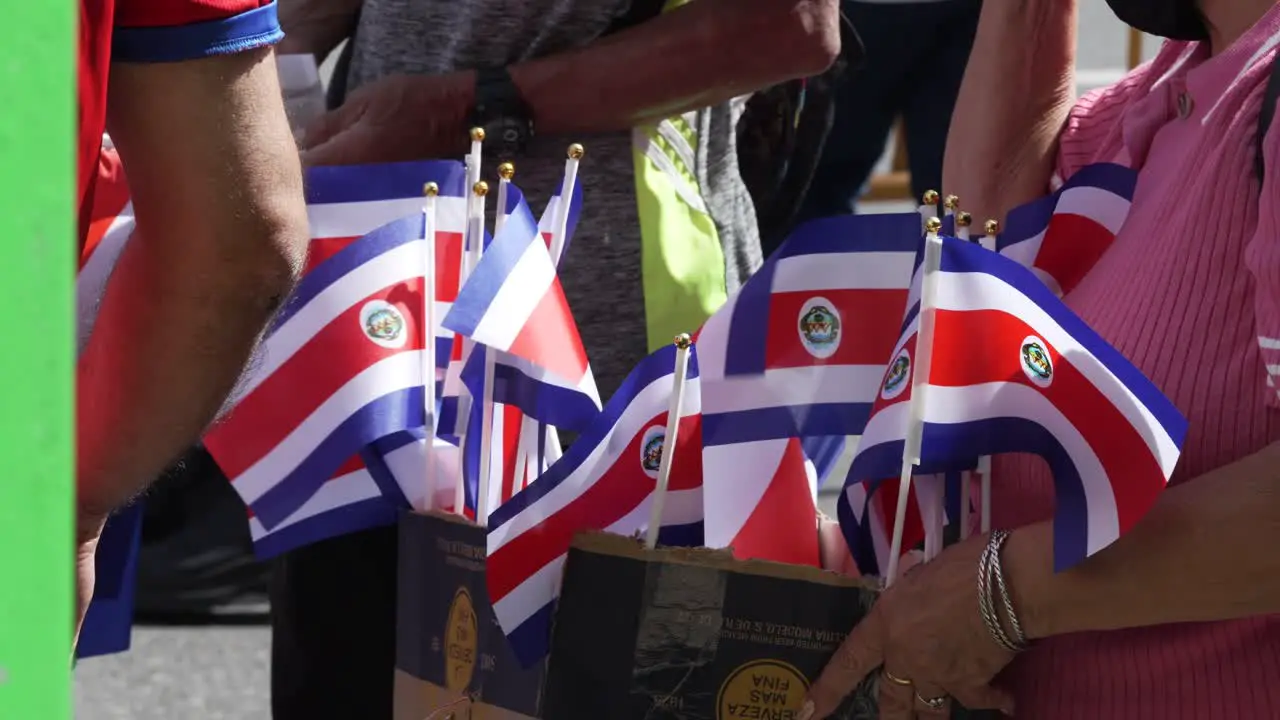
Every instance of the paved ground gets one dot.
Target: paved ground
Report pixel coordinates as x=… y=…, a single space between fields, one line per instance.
x=202 y=673
x=221 y=673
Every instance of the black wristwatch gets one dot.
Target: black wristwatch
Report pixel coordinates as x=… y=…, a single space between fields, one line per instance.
x=502 y=112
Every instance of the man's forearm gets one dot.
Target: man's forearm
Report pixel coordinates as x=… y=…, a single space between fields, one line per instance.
x=1018 y=87
x=1206 y=551
x=221 y=232
x=702 y=54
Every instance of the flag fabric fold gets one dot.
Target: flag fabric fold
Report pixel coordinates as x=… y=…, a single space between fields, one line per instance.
x=604 y=481
x=340 y=368
x=1014 y=370
x=797 y=353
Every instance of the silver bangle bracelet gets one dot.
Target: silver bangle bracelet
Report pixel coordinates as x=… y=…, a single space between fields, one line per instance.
x=991 y=581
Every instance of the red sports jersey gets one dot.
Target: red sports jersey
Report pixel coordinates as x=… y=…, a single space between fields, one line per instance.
x=153 y=31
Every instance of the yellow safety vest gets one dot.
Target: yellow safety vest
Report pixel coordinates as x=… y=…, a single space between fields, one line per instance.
x=682 y=261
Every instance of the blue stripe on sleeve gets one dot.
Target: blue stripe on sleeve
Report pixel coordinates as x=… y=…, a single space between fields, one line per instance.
x=248 y=30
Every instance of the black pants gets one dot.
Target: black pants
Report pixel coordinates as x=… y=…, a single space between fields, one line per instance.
x=915 y=59
x=333 y=623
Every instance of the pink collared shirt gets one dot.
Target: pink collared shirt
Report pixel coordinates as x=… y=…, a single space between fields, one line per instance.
x=1190 y=292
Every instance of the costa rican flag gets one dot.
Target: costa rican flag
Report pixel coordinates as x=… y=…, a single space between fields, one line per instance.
x=1011 y=369
x=1062 y=235
x=519 y=379
x=513 y=303
x=340 y=368
x=345 y=202
x=797 y=353
x=605 y=481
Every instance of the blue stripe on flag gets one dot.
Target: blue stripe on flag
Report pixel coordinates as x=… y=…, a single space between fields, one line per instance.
x=749 y=325
x=876 y=232
x=394 y=411
x=784 y=421
x=477 y=294
x=363 y=515
x=383 y=181
x=1113 y=178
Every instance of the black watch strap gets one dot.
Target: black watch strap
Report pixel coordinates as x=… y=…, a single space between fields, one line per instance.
x=501 y=111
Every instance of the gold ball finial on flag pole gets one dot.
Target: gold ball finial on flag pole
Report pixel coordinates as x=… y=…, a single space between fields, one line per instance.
x=576 y=151
x=992 y=227
x=477 y=134
x=506 y=171
x=682 y=341
x=930 y=197
x=963 y=219
x=480 y=189
x=952 y=202
x=933 y=225
x=431 y=189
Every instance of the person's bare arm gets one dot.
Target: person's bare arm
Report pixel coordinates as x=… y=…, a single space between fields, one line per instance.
x=221 y=234
x=1018 y=87
x=698 y=55
x=1205 y=552
x=315 y=27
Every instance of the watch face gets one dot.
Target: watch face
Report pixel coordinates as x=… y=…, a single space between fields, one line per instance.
x=509 y=133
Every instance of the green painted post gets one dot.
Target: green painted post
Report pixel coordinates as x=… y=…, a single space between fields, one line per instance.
x=37 y=356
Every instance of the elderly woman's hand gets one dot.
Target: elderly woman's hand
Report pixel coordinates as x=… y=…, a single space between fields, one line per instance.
x=399 y=117
x=927 y=633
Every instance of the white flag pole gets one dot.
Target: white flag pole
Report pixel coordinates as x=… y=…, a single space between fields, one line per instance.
x=991 y=229
x=472 y=248
x=532 y=466
x=919 y=383
x=669 y=440
x=429 y=191
x=935 y=519
x=963 y=221
x=476 y=223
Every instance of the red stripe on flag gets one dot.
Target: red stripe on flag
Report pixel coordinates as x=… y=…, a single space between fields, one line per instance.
x=989 y=343
x=870 y=324
x=619 y=490
x=1072 y=245
x=110 y=196
x=324 y=364
x=885 y=507
x=448 y=259
x=783 y=527
x=550 y=337
x=510 y=438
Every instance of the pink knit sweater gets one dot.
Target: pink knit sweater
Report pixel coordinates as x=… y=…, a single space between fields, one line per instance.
x=1190 y=292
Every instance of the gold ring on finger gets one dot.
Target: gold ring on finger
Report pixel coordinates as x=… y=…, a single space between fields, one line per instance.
x=895 y=679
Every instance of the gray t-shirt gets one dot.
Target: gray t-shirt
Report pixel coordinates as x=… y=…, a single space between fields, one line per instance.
x=601 y=273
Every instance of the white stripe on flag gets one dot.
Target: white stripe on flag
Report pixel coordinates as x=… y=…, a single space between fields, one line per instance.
x=353 y=219
x=394 y=266
x=397 y=372
x=752 y=465
x=510 y=309
x=843 y=271
x=979 y=291
x=778 y=387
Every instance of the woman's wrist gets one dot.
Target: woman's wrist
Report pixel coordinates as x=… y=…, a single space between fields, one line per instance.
x=1043 y=602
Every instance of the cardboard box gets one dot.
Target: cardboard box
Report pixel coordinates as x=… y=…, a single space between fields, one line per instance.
x=693 y=634
x=449 y=645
